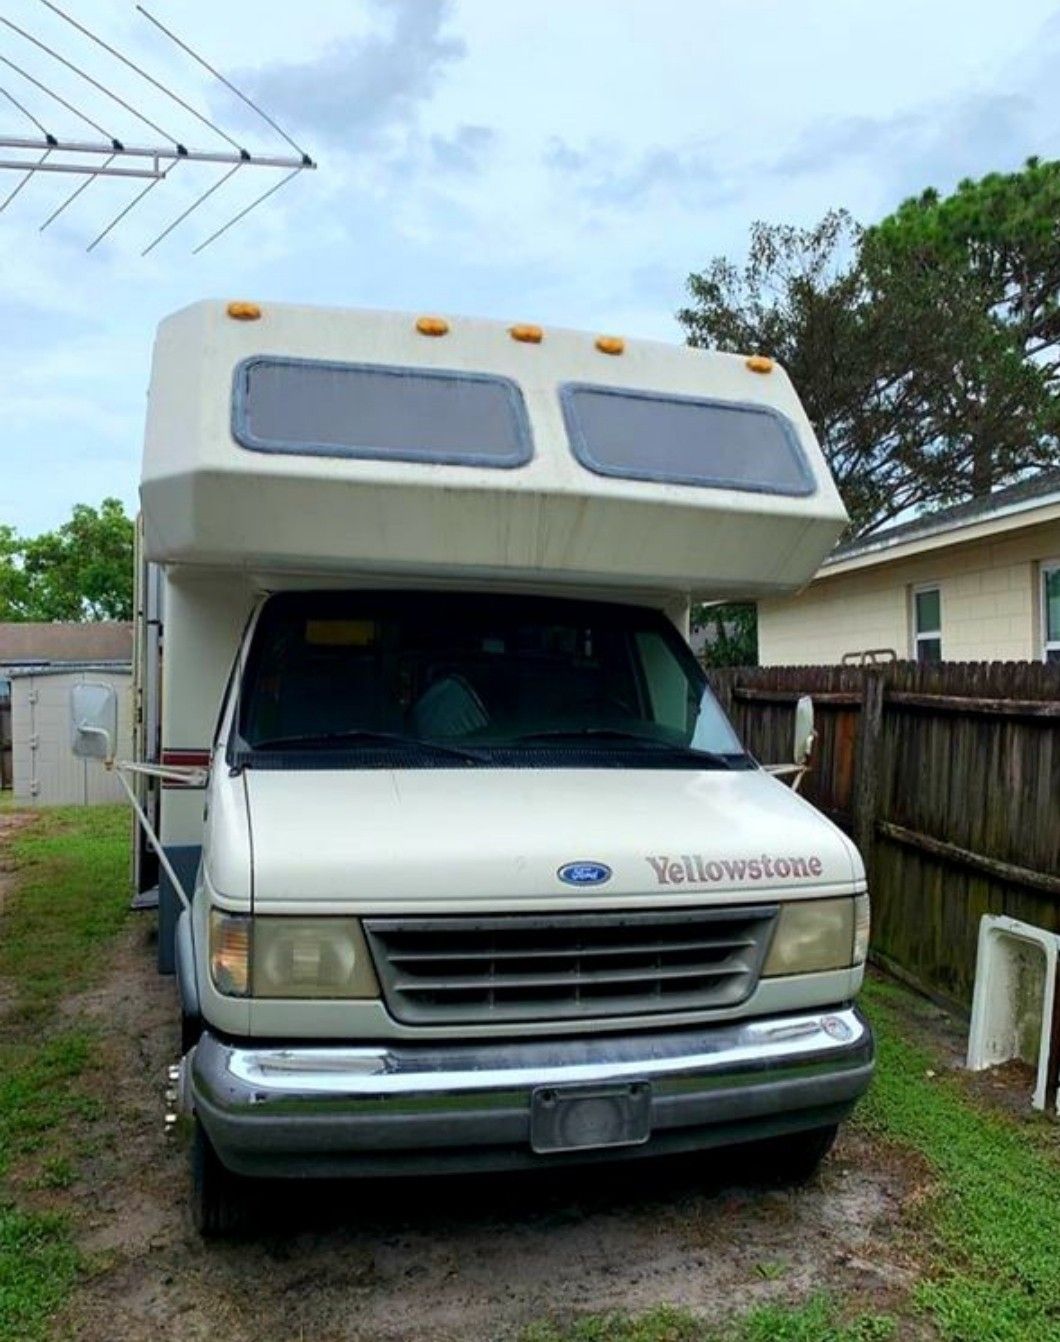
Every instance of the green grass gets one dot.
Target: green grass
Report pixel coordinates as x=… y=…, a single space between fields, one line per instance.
x=73 y=883
x=38 y=1267
x=68 y=900
x=992 y=1233
x=38 y=1090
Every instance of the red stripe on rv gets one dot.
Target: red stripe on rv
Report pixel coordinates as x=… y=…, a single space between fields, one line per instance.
x=193 y=759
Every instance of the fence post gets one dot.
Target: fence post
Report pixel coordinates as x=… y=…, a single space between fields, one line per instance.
x=723 y=686
x=867 y=762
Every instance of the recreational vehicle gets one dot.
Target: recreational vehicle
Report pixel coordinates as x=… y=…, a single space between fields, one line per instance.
x=461 y=865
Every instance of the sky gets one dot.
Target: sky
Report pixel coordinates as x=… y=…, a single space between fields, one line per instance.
x=568 y=162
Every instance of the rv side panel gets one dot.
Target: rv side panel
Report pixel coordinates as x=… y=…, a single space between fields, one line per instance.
x=205 y=616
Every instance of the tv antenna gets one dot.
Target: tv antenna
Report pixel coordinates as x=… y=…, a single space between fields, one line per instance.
x=148 y=164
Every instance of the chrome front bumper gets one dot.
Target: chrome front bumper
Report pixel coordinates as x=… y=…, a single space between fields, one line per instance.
x=437 y=1107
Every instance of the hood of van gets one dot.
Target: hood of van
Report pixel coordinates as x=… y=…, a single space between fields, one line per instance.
x=434 y=840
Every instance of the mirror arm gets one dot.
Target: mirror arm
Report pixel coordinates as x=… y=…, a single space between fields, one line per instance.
x=194 y=777
x=191 y=774
x=86 y=730
x=152 y=837
x=782 y=770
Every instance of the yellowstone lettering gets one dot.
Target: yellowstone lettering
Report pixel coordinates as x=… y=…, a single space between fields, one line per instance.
x=694 y=869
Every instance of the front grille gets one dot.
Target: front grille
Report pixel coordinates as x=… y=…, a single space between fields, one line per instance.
x=478 y=970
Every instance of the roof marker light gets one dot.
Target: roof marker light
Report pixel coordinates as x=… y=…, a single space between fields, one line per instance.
x=432 y=326
x=610 y=344
x=760 y=363
x=243 y=312
x=527 y=333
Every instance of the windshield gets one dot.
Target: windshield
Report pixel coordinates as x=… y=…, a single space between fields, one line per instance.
x=443 y=679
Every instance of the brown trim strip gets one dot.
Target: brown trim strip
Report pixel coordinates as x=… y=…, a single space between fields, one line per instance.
x=934 y=703
x=959 y=703
x=184 y=758
x=964 y=857
x=837 y=698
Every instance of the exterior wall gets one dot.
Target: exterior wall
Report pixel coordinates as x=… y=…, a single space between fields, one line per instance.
x=46 y=771
x=205 y=615
x=991 y=608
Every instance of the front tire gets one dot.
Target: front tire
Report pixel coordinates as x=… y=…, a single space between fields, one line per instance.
x=218 y=1197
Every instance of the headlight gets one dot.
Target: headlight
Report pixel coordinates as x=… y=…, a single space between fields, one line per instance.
x=310 y=957
x=818 y=934
x=290 y=957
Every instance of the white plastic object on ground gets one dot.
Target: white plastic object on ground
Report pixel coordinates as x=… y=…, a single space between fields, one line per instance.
x=1009 y=993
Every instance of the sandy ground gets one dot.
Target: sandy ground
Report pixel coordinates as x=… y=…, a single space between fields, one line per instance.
x=480 y=1258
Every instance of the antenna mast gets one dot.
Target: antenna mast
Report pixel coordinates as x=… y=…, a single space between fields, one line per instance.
x=112 y=157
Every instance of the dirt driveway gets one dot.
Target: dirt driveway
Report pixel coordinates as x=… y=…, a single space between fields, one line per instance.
x=464 y=1258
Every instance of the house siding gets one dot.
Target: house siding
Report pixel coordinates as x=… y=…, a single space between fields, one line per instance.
x=990 y=604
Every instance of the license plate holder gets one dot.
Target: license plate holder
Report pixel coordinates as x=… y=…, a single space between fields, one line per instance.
x=589 y=1118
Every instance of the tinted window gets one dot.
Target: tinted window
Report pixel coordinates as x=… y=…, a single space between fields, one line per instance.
x=519 y=674
x=1051 y=611
x=681 y=439
x=927 y=624
x=361 y=410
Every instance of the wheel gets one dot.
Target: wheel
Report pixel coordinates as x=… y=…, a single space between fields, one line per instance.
x=218 y=1197
x=795 y=1158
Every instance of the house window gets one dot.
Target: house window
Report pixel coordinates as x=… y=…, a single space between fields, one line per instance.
x=927 y=624
x=1051 y=612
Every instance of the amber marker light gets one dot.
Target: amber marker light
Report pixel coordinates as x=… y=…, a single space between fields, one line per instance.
x=610 y=344
x=432 y=326
x=230 y=952
x=527 y=333
x=243 y=312
x=760 y=363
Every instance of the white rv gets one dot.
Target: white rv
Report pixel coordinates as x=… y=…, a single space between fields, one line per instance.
x=463 y=868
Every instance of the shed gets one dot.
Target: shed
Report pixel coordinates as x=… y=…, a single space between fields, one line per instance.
x=46 y=770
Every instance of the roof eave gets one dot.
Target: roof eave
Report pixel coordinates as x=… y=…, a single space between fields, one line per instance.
x=1028 y=512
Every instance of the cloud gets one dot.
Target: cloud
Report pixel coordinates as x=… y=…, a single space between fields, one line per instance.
x=935 y=144
x=363 y=86
x=463 y=151
x=940 y=141
x=866 y=162
x=691 y=173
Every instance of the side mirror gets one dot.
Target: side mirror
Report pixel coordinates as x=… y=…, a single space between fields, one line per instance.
x=805 y=735
x=93 y=720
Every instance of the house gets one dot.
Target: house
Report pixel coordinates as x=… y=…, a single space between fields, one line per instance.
x=976 y=582
x=29 y=643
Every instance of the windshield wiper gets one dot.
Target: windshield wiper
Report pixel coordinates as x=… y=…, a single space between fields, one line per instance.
x=368 y=737
x=617 y=734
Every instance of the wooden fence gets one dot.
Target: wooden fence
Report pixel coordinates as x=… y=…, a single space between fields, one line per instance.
x=947 y=776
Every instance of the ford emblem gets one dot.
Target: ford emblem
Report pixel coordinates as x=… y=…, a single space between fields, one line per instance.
x=584 y=873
